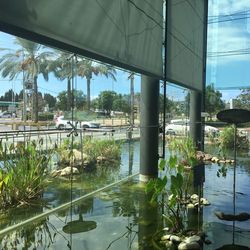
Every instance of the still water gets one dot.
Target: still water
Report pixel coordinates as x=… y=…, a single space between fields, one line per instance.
x=121 y=217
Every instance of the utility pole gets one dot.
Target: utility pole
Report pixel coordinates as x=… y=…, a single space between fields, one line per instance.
x=132 y=98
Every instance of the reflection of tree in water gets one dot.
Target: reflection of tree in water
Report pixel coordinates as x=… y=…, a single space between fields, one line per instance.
x=143 y=216
x=41 y=233
x=126 y=202
x=59 y=191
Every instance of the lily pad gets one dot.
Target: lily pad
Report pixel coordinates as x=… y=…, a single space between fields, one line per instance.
x=79 y=226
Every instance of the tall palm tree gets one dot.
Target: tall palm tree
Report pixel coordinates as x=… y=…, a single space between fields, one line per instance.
x=31 y=59
x=86 y=68
x=62 y=69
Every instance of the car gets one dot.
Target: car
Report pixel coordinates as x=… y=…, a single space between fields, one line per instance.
x=5 y=114
x=181 y=126
x=62 y=123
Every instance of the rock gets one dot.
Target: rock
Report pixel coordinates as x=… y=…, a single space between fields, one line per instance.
x=190 y=205
x=200 y=155
x=205 y=202
x=215 y=159
x=222 y=161
x=194 y=197
x=207 y=157
x=175 y=239
x=194 y=238
x=56 y=173
x=228 y=161
x=169 y=244
x=67 y=171
x=166 y=237
x=165 y=229
x=186 y=246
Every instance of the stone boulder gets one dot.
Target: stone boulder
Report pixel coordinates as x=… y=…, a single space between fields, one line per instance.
x=67 y=171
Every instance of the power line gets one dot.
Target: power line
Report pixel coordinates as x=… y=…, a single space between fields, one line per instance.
x=231 y=14
x=229 y=20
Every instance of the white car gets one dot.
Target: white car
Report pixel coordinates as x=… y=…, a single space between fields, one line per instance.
x=5 y=114
x=62 y=123
x=181 y=126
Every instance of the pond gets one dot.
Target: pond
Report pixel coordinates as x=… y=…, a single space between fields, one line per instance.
x=121 y=217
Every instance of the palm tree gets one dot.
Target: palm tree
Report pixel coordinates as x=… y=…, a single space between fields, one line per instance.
x=31 y=59
x=62 y=69
x=86 y=68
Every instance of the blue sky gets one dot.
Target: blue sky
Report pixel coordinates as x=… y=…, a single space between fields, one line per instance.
x=229 y=71
x=223 y=71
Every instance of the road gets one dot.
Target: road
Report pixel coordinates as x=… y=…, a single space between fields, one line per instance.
x=54 y=136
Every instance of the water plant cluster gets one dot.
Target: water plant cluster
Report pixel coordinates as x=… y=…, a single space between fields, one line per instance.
x=22 y=172
x=226 y=139
x=174 y=183
x=89 y=153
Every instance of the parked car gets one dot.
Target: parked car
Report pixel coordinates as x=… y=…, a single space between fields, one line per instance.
x=5 y=114
x=181 y=126
x=62 y=123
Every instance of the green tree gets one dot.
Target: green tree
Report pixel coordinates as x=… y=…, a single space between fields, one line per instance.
x=79 y=97
x=106 y=99
x=50 y=100
x=86 y=68
x=9 y=96
x=121 y=104
x=213 y=101
x=31 y=59
x=243 y=100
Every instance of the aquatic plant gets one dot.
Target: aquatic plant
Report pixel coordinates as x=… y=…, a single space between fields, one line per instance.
x=173 y=170
x=226 y=139
x=106 y=149
x=23 y=172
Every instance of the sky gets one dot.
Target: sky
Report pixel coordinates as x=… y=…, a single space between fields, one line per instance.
x=228 y=60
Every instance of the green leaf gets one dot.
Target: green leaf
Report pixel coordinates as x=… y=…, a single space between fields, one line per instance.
x=162 y=164
x=172 y=161
x=150 y=186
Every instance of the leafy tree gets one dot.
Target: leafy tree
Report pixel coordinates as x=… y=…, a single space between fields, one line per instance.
x=213 y=101
x=79 y=97
x=86 y=68
x=106 y=99
x=9 y=96
x=121 y=104
x=169 y=106
x=31 y=59
x=50 y=100
x=243 y=100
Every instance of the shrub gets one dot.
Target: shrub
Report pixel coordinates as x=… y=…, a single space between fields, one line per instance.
x=226 y=139
x=46 y=116
x=23 y=172
x=110 y=149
